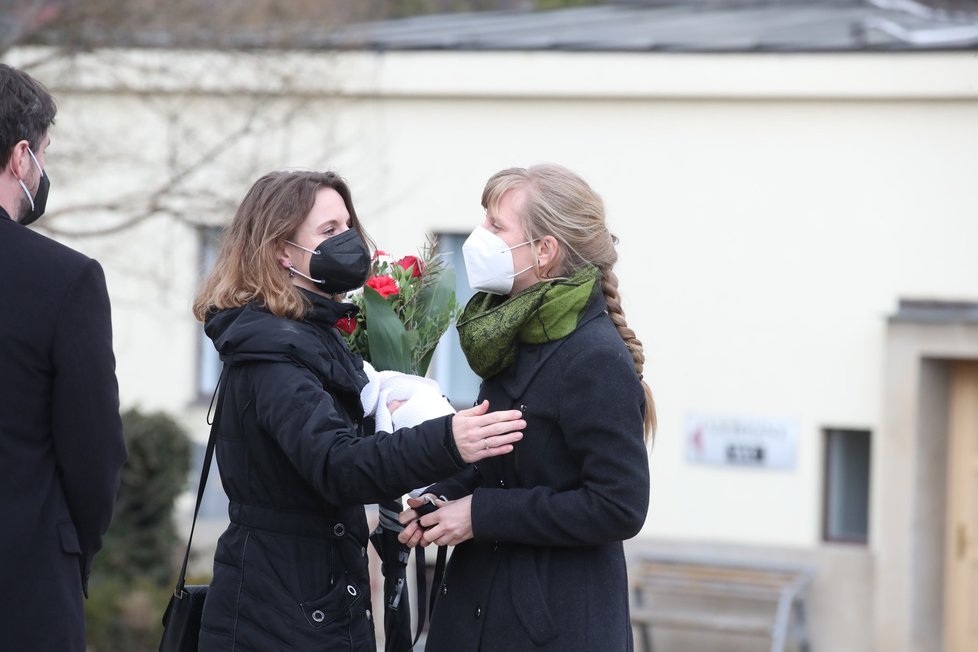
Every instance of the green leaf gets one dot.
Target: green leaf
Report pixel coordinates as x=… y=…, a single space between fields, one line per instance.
x=389 y=343
x=425 y=362
x=439 y=307
x=439 y=297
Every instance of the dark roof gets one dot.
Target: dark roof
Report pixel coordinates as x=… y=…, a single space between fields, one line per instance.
x=617 y=26
x=793 y=26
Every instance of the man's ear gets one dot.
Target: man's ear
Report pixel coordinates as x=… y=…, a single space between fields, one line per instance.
x=548 y=251
x=20 y=160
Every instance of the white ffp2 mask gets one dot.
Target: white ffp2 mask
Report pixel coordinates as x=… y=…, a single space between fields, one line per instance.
x=489 y=262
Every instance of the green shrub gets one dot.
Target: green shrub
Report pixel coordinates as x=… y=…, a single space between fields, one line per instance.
x=133 y=575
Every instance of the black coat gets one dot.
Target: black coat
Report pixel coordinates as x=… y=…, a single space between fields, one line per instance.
x=290 y=572
x=545 y=569
x=61 y=444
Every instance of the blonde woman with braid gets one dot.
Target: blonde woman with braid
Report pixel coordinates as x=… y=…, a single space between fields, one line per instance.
x=538 y=563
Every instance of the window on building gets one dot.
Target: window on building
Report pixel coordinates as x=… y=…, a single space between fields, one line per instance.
x=208 y=361
x=449 y=366
x=847 y=464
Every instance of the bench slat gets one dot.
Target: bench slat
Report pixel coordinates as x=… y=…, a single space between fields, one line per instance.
x=746 y=626
x=658 y=587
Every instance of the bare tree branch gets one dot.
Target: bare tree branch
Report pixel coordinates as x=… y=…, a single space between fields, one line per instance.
x=156 y=200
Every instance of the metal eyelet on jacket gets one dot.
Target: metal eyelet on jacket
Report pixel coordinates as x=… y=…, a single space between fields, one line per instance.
x=318 y=616
x=352 y=590
x=339 y=529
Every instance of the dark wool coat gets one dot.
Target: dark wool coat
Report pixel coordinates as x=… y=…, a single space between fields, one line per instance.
x=545 y=569
x=61 y=445
x=290 y=572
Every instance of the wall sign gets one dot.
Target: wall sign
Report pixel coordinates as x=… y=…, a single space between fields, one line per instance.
x=740 y=441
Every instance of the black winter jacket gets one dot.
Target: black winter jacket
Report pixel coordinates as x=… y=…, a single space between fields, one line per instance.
x=290 y=572
x=545 y=570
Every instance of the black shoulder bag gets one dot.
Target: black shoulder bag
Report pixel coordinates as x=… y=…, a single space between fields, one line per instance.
x=181 y=620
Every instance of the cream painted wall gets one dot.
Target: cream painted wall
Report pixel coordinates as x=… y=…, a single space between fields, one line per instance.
x=771 y=208
x=763 y=243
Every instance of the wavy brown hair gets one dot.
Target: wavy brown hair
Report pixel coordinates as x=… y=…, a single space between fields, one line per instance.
x=559 y=203
x=247 y=268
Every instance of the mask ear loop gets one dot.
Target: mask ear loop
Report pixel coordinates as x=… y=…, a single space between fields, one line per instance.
x=23 y=185
x=292 y=269
x=535 y=258
x=27 y=192
x=314 y=252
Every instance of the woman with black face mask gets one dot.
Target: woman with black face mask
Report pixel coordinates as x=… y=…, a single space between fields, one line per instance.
x=290 y=572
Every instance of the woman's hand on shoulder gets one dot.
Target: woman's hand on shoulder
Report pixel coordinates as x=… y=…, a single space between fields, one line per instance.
x=480 y=434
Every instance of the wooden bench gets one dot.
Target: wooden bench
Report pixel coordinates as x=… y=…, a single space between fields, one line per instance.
x=740 y=598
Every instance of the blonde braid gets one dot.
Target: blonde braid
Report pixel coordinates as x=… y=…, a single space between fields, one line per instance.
x=609 y=286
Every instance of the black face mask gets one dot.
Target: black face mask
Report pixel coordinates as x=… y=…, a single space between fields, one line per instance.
x=339 y=264
x=39 y=199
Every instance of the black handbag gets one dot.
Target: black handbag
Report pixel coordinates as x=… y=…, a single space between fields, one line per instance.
x=181 y=620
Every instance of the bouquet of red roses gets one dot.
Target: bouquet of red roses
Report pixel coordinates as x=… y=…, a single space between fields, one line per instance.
x=405 y=306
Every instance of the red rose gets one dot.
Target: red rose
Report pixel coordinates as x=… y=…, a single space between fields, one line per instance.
x=384 y=285
x=410 y=263
x=347 y=325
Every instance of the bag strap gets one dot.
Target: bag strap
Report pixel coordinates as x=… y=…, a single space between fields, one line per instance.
x=421 y=572
x=439 y=575
x=421 y=579
x=420 y=569
x=211 y=440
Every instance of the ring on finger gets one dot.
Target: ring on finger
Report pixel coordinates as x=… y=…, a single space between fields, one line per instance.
x=485 y=443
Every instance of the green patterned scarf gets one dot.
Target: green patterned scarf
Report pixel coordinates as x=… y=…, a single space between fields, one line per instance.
x=491 y=326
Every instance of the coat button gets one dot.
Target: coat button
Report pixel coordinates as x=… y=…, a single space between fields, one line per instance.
x=444 y=589
x=318 y=616
x=339 y=529
x=478 y=612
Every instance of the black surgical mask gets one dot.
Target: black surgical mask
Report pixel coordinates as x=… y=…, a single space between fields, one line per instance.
x=339 y=264
x=39 y=199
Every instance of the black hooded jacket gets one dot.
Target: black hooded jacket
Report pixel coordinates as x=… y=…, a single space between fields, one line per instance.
x=290 y=572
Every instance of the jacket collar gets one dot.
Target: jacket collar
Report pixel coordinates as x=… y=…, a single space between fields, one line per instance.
x=325 y=312
x=252 y=334
x=530 y=358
